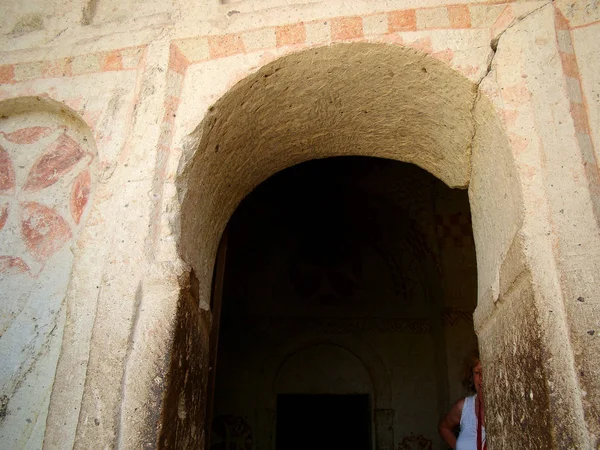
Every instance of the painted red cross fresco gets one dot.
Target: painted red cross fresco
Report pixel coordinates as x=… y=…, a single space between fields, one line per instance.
x=33 y=222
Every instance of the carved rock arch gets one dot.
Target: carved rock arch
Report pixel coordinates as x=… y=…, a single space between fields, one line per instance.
x=348 y=99
x=362 y=351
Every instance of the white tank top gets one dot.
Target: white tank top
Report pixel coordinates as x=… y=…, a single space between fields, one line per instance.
x=467 y=439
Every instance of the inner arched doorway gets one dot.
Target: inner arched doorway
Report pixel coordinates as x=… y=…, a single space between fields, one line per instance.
x=395 y=103
x=347 y=278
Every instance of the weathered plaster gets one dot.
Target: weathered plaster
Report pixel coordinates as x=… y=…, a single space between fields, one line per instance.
x=48 y=178
x=124 y=71
x=588 y=61
x=534 y=49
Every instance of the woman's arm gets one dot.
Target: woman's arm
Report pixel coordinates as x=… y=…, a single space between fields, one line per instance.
x=451 y=421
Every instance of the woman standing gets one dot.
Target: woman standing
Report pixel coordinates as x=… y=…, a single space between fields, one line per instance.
x=467 y=412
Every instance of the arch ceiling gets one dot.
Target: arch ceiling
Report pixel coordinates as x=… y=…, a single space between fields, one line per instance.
x=346 y=99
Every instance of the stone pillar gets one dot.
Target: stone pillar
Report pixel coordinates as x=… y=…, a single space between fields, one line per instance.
x=537 y=300
x=384 y=429
x=266 y=422
x=122 y=304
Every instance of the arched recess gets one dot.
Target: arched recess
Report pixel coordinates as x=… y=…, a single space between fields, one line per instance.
x=347 y=99
x=362 y=351
x=359 y=370
x=47 y=178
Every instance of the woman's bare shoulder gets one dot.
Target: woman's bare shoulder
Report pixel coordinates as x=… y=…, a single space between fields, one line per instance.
x=458 y=405
x=452 y=418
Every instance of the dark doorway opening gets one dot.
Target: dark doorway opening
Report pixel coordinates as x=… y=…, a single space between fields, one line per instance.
x=323 y=422
x=342 y=276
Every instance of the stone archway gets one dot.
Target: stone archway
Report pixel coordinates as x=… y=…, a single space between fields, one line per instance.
x=526 y=155
x=378 y=380
x=396 y=103
x=361 y=350
x=380 y=109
